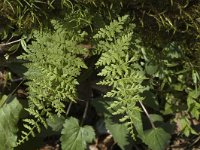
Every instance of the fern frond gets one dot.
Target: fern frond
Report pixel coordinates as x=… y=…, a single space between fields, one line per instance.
x=53 y=67
x=30 y=125
x=107 y=35
x=109 y=31
x=119 y=59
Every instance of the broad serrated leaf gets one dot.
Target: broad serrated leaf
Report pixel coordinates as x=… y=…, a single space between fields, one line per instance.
x=137 y=121
x=56 y=123
x=156 y=138
x=9 y=115
x=75 y=137
x=119 y=132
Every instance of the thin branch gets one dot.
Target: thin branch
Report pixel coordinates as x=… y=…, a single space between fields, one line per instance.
x=17 y=80
x=9 y=39
x=17 y=87
x=9 y=43
x=147 y=114
x=195 y=141
x=85 y=111
x=68 y=109
x=81 y=100
x=11 y=94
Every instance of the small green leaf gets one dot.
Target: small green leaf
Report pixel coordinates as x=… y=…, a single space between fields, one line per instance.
x=184 y=125
x=193 y=104
x=156 y=138
x=75 y=137
x=155 y=117
x=179 y=87
x=9 y=115
x=150 y=100
x=14 y=47
x=151 y=68
x=17 y=68
x=23 y=43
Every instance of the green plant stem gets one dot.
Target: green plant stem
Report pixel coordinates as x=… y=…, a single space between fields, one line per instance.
x=9 y=43
x=85 y=112
x=68 y=109
x=9 y=96
x=147 y=114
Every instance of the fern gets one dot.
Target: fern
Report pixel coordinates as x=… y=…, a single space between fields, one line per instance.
x=119 y=59
x=53 y=67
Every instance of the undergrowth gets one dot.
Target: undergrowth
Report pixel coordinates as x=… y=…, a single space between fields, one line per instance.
x=136 y=62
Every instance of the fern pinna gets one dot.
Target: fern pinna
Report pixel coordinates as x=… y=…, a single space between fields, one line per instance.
x=120 y=49
x=54 y=64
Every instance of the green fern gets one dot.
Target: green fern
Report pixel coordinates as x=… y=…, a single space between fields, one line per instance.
x=53 y=67
x=119 y=59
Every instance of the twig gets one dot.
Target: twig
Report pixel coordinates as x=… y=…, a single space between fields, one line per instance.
x=9 y=43
x=195 y=141
x=81 y=100
x=9 y=39
x=68 y=109
x=147 y=114
x=17 y=87
x=85 y=112
x=17 y=80
x=11 y=94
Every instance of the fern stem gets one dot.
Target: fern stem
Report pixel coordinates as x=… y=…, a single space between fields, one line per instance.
x=11 y=94
x=17 y=80
x=68 y=109
x=85 y=112
x=147 y=114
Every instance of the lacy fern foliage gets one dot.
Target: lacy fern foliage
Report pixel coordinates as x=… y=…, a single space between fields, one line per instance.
x=120 y=50
x=54 y=64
